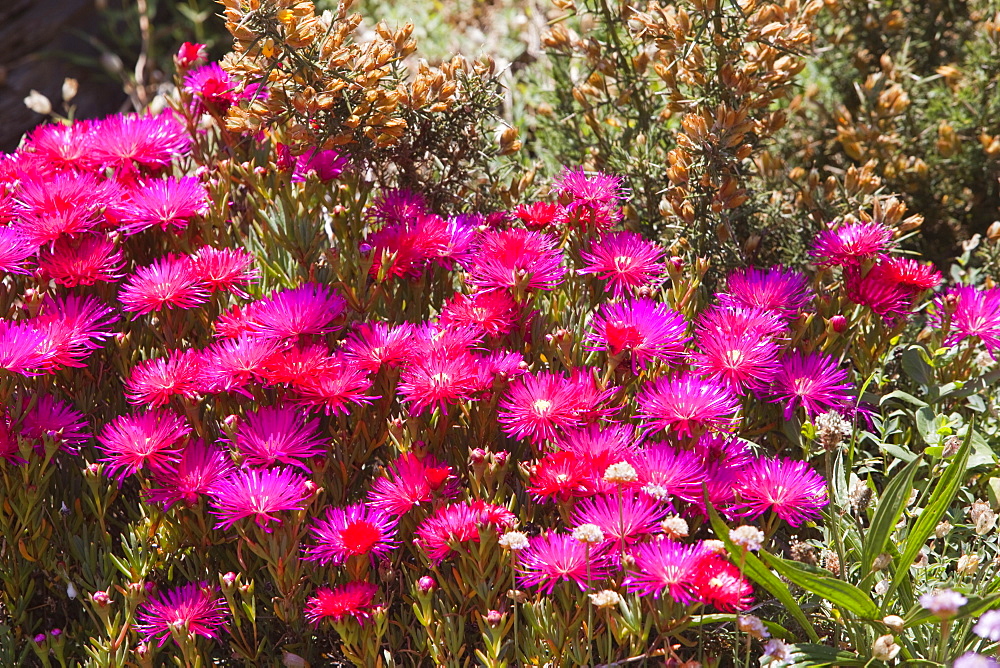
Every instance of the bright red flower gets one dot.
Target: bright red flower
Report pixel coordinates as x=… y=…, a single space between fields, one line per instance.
x=155 y=381
x=351 y=600
x=84 y=261
x=561 y=476
x=411 y=481
x=356 y=530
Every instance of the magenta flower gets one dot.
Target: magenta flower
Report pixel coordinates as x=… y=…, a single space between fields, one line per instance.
x=624 y=261
x=307 y=309
x=541 y=215
x=278 y=435
x=720 y=583
x=665 y=471
x=687 y=405
x=293 y=366
x=742 y=362
x=155 y=381
x=397 y=206
x=169 y=282
x=84 y=261
x=537 y=405
x=225 y=269
x=336 y=388
x=231 y=365
x=64 y=204
x=779 y=290
x=199 y=469
x=325 y=165
x=57 y=420
x=438 y=381
x=73 y=327
x=191 y=610
x=406 y=247
x=740 y=322
x=211 y=87
x=598 y=448
x=356 y=530
x=152 y=439
x=789 y=488
x=495 y=312
x=850 y=244
x=516 y=258
x=645 y=329
x=554 y=557
x=666 y=567
x=15 y=249
x=164 y=203
x=812 y=381
x=351 y=600
x=24 y=349
x=458 y=523
x=126 y=142
x=562 y=476
x=411 y=481
x=880 y=289
x=62 y=147
x=974 y=313
x=591 y=201
x=623 y=517
x=374 y=344
x=259 y=495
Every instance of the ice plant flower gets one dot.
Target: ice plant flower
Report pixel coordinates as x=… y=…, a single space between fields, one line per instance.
x=644 y=329
x=812 y=381
x=781 y=291
x=324 y=165
x=199 y=469
x=308 y=309
x=131 y=142
x=665 y=567
x=624 y=261
x=165 y=203
x=687 y=405
x=57 y=420
x=357 y=530
x=624 y=517
x=557 y=557
x=231 y=365
x=224 y=269
x=495 y=312
x=665 y=471
x=791 y=489
x=154 y=382
x=410 y=481
x=259 y=495
x=537 y=405
x=740 y=322
x=190 y=610
x=851 y=244
x=458 y=523
x=562 y=476
x=169 y=282
x=278 y=435
x=86 y=260
x=74 y=326
x=66 y=204
x=15 y=249
x=517 y=260
x=334 y=388
x=439 y=380
x=719 y=583
x=152 y=439
x=591 y=200
x=24 y=349
x=352 y=600
x=974 y=313
x=374 y=344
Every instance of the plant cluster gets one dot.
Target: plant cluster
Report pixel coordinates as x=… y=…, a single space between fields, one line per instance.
x=279 y=388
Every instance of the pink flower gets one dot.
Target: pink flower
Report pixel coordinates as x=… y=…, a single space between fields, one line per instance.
x=200 y=467
x=850 y=244
x=211 y=87
x=742 y=322
x=541 y=215
x=438 y=381
x=720 y=583
x=84 y=261
x=878 y=288
x=742 y=362
x=645 y=329
x=404 y=248
x=169 y=282
x=166 y=203
x=624 y=261
x=554 y=557
x=232 y=365
x=356 y=530
x=666 y=567
x=351 y=600
x=190 y=54
x=591 y=201
x=259 y=495
x=687 y=405
x=495 y=313
x=65 y=204
x=15 y=249
x=812 y=381
x=781 y=291
x=152 y=439
x=325 y=165
x=155 y=381
x=623 y=517
x=458 y=523
x=278 y=435
x=308 y=309
x=191 y=610
x=335 y=388
x=73 y=327
x=127 y=142
x=294 y=366
x=789 y=488
x=411 y=481
x=374 y=344
x=665 y=471
x=974 y=313
x=562 y=476
x=62 y=147
x=516 y=260
x=56 y=420
x=537 y=405
x=24 y=349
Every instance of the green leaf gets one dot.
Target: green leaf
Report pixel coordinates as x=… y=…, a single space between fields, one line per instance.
x=931 y=514
x=916 y=365
x=840 y=593
x=759 y=573
x=904 y=396
x=806 y=654
x=887 y=513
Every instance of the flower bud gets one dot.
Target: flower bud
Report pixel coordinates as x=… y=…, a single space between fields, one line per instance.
x=101 y=599
x=426 y=584
x=885 y=648
x=494 y=617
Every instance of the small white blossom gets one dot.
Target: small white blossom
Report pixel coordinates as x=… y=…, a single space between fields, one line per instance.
x=588 y=533
x=513 y=540
x=620 y=474
x=606 y=598
x=753 y=626
x=775 y=651
x=674 y=526
x=748 y=537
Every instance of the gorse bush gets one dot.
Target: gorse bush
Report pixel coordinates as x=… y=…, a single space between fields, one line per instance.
x=294 y=373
